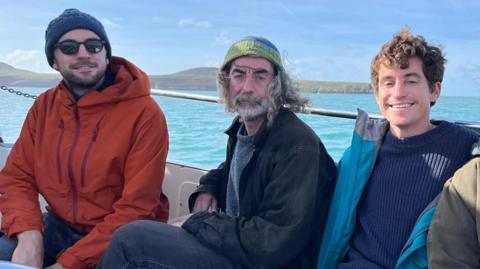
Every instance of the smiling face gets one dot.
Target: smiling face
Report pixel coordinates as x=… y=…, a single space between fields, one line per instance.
x=83 y=70
x=404 y=98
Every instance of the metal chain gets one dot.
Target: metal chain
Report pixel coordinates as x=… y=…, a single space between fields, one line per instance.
x=10 y=90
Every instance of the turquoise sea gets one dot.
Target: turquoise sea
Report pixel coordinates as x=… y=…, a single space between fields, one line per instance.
x=197 y=128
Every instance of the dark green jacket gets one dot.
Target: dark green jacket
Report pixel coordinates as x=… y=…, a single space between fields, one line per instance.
x=454 y=237
x=285 y=191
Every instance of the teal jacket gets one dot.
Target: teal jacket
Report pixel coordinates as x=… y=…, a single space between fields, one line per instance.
x=354 y=170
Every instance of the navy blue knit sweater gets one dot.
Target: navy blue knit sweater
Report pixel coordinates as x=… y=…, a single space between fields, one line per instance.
x=408 y=174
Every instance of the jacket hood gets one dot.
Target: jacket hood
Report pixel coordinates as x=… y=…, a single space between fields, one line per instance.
x=130 y=82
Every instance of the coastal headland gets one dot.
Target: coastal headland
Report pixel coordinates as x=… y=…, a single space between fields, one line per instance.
x=202 y=78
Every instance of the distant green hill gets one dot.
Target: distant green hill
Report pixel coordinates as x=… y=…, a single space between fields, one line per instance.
x=202 y=78
x=334 y=86
x=12 y=76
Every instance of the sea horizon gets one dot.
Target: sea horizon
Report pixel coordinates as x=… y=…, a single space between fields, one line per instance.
x=197 y=128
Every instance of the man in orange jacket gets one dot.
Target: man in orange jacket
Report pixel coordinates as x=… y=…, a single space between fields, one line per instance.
x=94 y=147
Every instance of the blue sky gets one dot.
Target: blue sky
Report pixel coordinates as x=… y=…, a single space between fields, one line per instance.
x=320 y=40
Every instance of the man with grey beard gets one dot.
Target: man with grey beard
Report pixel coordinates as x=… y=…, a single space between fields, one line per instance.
x=265 y=205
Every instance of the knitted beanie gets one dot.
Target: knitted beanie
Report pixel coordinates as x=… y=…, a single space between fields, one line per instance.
x=72 y=19
x=253 y=45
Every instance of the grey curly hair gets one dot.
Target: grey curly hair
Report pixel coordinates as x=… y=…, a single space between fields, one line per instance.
x=282 y=90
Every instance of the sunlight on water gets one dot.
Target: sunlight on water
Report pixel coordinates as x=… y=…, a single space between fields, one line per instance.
x=197 y=128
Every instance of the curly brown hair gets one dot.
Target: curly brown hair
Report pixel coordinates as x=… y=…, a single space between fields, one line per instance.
x=404 y=46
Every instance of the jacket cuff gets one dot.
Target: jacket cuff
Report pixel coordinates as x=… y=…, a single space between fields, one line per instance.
x=200 y=188
x=13 y=230
x=71 y=262
x=192 y=225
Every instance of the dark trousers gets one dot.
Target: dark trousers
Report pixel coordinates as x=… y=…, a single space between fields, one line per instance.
x=150 y=244
x=58 y=236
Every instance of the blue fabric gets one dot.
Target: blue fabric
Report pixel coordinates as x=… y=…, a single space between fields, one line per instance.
x=414 y=254
x=69 y=20
x=408 y=174
x=354 y=172
x=354 y=169
x=241 y=157
x=57 y=237
x=151 y=244
x=261 y=40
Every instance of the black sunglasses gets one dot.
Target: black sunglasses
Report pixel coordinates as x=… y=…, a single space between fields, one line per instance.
x=70 y=47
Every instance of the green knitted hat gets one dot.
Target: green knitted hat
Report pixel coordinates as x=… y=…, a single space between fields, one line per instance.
x=253 y=45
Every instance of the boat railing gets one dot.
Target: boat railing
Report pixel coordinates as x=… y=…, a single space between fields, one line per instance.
x=314 y=111
x=181 y=180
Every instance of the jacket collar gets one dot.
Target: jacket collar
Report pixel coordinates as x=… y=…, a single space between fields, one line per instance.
x=263 y=131
x=129 y=82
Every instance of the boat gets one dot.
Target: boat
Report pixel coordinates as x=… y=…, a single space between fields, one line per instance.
x=179 y=182
x=10 y=265
x=181 y=179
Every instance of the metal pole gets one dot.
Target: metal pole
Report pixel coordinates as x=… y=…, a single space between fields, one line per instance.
x=317 y=111
x=213 y=99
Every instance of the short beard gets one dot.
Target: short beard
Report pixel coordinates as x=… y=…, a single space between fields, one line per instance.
x=250 y=107
x=75 y=82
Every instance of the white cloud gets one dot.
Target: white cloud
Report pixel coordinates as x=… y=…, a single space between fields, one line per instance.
x=213 y=63
x=353 y=52
x=472 y=70
x=32 y=60
x=222 y=39
x=108 y=23
x=21 y=55
x=293 y=66
x=192 y=22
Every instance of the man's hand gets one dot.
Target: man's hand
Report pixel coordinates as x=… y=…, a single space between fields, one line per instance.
x=56 y=266
x=205 y=202
x=179 y=220
x=29 y=250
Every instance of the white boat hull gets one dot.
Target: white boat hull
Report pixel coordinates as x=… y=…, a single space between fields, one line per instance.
x=180 y=181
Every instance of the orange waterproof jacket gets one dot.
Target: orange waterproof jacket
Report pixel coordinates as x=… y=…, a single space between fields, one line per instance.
x=98 y=162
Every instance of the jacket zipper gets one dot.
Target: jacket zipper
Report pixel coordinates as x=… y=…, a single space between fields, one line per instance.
x=87 y=153
x=70 y=165
x=60 y=140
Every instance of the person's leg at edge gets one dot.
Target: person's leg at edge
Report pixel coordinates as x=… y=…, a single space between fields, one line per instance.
x=57 y=237
x=7 y=246
x=150 y=244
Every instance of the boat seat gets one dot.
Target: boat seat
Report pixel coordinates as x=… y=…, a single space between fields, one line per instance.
x=179 y=182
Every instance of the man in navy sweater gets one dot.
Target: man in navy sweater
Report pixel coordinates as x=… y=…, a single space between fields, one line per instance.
x=394 y=168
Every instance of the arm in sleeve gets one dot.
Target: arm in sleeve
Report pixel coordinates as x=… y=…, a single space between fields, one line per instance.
x=210 y=182
x=19 y=194
x=144 y=172
x=285 y=218
x=453 y=240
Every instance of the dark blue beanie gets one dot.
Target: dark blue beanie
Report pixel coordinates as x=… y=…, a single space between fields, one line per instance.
x=72 y=19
